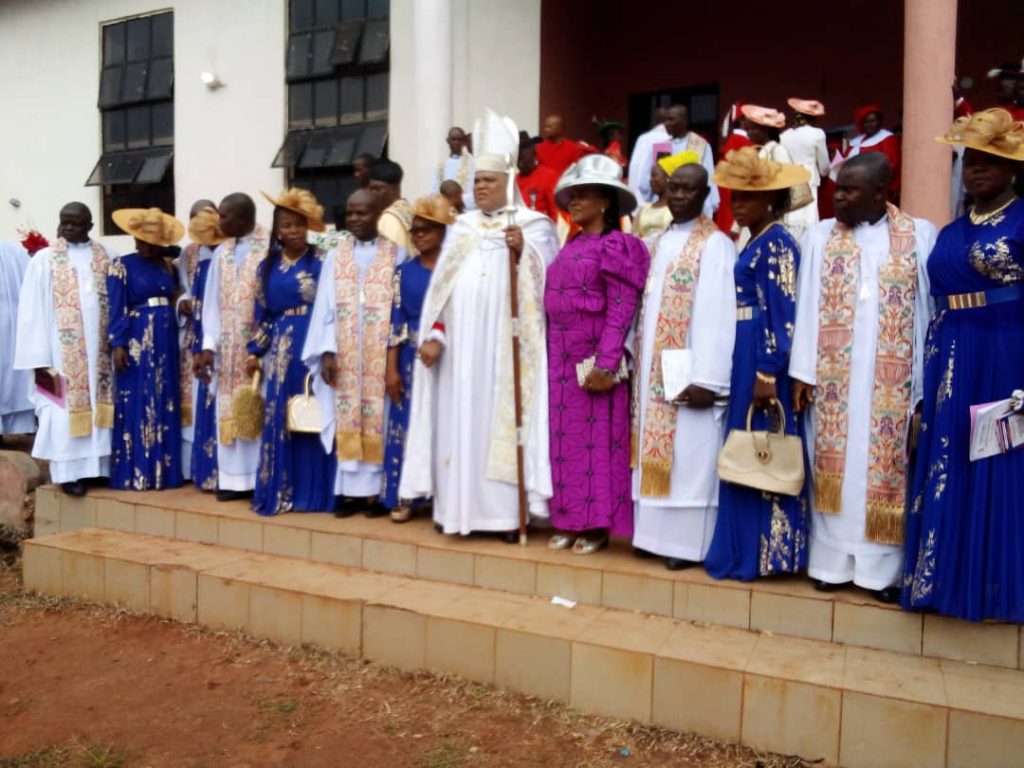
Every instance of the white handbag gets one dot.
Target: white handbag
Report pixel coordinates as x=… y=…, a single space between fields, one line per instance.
x=304 y=412
x=763 y=460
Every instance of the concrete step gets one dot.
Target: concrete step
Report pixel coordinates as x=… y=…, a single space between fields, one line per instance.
x=841 y=704
x=612 y=579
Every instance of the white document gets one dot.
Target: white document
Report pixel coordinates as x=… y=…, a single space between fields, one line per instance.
x=995 y=429
x=676 y=371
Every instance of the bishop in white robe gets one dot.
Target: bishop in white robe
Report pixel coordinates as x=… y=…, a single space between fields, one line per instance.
x=678 y=522
x=840 y=551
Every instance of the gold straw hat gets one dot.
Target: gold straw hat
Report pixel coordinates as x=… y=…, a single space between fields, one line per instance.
x=150 y=225
x=743 y=169
x=992 y=130
x=204 y=228
x=302 y=202
x=434 y=208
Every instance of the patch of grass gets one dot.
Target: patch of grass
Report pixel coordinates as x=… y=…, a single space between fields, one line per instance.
x=447 y=754
x=69 y=756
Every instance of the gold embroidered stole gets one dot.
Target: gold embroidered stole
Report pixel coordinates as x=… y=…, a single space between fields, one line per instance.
x=237 y=288
x=891 y=393
x=190 y=258
x=466 y=237
x=677 y=294
x=359 y=401
x=696 y=143
x=67 y=306
x=394 y=224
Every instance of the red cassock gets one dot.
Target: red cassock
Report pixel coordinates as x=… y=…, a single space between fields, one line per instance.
x=890 y=147
x=559 y=155
x=723 y=217
x=538 y=190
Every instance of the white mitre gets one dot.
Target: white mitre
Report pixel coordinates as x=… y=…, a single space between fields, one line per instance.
x=495 y=143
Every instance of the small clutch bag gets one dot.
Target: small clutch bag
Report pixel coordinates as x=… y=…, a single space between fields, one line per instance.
x=583 y=369
x=765 y=461
x=304 y=412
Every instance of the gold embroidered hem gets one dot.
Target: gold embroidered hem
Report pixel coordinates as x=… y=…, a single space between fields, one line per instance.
x=104 y=416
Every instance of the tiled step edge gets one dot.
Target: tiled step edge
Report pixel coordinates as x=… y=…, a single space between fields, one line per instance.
x=613 y=579
x=842 y=704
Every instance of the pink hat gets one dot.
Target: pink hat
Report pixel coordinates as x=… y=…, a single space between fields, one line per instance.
x=807 y=106
x=764 y=116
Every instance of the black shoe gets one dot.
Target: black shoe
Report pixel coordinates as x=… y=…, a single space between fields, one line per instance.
x=678 y=564
x=643 y=554
x=889 y=595
x=375 y=509
x=828 y=586
x=509 y=537
x=345 y=506
x=223 y=495
x=439 y=528
x=76 y=488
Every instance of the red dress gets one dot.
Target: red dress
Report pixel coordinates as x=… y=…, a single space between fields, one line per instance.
x=538 y=190
x=723 y=217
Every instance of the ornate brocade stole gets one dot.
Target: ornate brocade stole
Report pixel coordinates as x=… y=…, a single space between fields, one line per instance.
x=359 y=401
x=891 y=394
x=67 y=308
x=696 y=143
x=677 y=294
x=190 y=257
x=237 y=293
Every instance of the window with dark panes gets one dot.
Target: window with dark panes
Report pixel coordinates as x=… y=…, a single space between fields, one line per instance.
x=136 y=102
x=336 y=68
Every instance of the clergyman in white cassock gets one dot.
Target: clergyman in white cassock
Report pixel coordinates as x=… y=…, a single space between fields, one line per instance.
x=461 y=445
x=17 y=414
x=862 y=279
x=228 y=323
x=689 y=303
x=62 y=329
x=351 y=321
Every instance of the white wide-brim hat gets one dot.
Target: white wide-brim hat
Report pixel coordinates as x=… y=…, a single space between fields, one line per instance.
x=596 y=170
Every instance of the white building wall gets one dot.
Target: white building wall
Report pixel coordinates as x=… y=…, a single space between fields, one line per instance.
x=225 y=140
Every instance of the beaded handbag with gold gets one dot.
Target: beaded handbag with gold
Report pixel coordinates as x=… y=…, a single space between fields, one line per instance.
x=247 y=409
x=763 y=460
x=304 y=412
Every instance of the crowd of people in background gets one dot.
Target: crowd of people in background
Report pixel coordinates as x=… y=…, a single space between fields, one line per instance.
x=665 y=306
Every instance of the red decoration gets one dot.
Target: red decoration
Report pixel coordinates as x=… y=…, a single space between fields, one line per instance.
x=33 y=241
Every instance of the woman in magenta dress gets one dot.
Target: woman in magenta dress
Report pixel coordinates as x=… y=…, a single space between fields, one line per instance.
x=591 y=296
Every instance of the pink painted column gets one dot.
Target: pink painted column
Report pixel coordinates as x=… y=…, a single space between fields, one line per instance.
x=929 y=56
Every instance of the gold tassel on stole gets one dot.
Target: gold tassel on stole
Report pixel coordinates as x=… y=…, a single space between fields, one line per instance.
x=80 y=423
x=655 y=480
x=104 y=416
x=349 y=446
x=373 y=449
x=884 y=524
x=186 y=414
x=828 y=493
x=226 y=431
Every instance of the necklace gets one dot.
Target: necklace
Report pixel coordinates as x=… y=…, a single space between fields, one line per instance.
x=289 y=261
x=980 y=218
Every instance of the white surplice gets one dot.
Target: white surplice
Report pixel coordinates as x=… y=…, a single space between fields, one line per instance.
x=645 y=159
x=39 y=346
x=360 y=479
x=458 y=168
x=838 y=550
x=681 y=525
x=17 y=414
x=455 y=403
x=188 y=431
x=640 y=158
x=236 y=463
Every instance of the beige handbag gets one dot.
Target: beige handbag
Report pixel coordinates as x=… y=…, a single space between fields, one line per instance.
x=247 y=409
x=304 y=412
x=766 y=461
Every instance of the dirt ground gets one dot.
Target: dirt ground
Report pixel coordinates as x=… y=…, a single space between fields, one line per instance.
x=86 y=686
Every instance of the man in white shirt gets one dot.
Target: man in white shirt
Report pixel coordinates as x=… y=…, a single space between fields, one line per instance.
x=643 y=148
x=457 y=166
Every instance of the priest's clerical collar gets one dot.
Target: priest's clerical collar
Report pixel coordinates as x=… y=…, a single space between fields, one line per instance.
x=371 y=241
x=683 y=223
